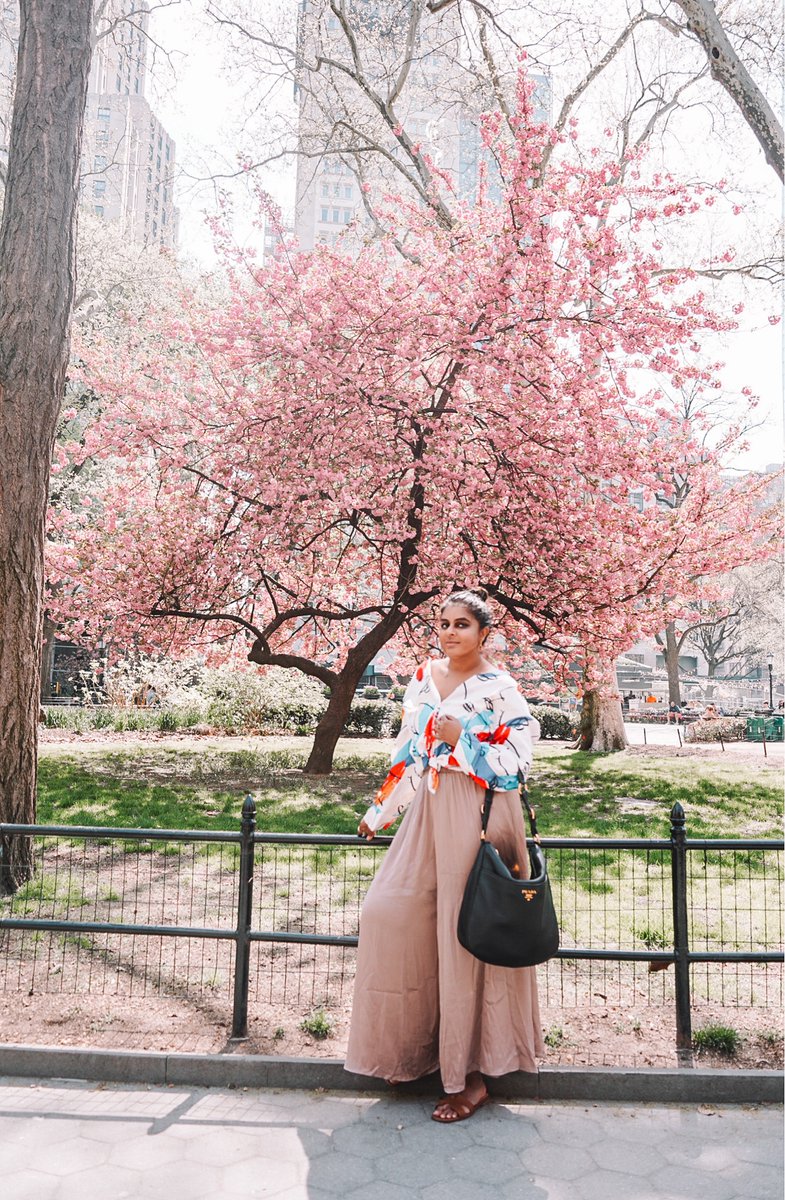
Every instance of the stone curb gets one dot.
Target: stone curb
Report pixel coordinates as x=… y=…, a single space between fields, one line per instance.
x=621 y=1085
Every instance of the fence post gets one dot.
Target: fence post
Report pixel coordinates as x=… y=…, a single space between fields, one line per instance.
x=681 y=946
x=242 y=946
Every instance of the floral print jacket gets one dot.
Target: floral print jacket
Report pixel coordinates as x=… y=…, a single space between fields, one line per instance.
x=493 y=750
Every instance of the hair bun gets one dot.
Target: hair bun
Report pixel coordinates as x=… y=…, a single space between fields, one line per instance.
x=478 y=591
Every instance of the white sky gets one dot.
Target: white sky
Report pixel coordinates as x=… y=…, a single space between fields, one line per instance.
x=200 y=107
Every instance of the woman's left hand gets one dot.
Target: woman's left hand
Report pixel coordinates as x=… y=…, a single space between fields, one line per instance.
x=447 y=729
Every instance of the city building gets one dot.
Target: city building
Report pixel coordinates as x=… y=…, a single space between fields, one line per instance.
x=128 y=158
x=337 y=133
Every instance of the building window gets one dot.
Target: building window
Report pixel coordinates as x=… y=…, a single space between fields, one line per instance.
x=136 y=85
x=168 y=150
x=99 y=187
x=325 y=189
x=336 y=215
x=158 y=162
x=155 y=228
x=347 y=192
x=325 y=214
x=347 y=216
x=99 y=162
x=98 y=209
x=118 y=83
x=336 y=189
x=104 y=114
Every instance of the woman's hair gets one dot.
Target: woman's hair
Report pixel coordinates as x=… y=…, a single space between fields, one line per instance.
x=475 y=600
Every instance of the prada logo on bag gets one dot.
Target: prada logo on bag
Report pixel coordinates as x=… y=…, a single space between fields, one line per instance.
x=528 y=893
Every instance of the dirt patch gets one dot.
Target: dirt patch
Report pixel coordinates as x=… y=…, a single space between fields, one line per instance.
x=616 y=1036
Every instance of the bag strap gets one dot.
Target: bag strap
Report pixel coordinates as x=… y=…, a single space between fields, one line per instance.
x=531 y=812
x=486 y=812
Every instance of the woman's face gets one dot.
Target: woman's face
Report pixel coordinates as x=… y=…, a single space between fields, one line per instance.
x=460 y=635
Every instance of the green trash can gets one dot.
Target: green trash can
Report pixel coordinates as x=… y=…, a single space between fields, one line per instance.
x=755 y=729
x=773 y=727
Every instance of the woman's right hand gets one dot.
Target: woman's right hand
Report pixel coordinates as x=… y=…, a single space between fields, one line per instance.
x=364 y=830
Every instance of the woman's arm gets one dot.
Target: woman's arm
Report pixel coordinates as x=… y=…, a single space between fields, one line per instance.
x=400 y=785
x=496 y=756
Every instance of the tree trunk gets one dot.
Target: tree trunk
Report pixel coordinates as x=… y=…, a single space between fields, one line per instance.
x=332 y=724
x=602 y=723
x=47 y=656
x=671 y=655
x=37 y=269
x=729 y=71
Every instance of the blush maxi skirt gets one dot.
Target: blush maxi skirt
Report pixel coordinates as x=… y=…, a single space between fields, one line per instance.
x=421 y=1001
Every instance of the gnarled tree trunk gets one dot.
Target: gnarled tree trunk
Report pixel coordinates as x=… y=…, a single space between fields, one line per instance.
x=37 y=269
x=602 y=723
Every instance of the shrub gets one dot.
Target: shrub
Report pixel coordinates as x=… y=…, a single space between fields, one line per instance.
x=317 y=1024
x=371 y=693
x=720 y=1039
x=369 y=718
x=732 y=729
x=554 y=723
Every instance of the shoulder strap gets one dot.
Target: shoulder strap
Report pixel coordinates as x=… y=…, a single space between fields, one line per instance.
x=486 y=812
x=531 y=812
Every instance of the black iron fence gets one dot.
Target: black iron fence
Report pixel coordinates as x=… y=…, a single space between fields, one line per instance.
x=273 y=918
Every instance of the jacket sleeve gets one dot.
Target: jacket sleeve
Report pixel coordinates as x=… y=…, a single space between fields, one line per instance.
x=405 y=772
x=495 y=753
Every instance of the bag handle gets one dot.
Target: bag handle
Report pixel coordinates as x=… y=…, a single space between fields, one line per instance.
x=531 y=812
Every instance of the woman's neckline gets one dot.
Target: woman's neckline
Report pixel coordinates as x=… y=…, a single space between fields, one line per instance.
x=474 y=675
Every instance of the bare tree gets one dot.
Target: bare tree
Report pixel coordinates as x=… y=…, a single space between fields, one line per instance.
x=37 y=281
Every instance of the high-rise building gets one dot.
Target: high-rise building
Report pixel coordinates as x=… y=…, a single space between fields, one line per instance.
x=343 y=144
x=336 y=130
x=128 y=158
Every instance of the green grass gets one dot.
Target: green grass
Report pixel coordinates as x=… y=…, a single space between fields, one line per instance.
x=719 y=1039
x=317 y=1024
x=160 y=786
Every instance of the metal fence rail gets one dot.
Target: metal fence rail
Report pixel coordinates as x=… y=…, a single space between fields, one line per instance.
x=272 y=917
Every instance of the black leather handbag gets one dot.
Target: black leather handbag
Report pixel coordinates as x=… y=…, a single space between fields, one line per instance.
x=504 y=920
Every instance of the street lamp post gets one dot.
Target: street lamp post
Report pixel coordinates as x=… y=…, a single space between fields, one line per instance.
x=770 y=662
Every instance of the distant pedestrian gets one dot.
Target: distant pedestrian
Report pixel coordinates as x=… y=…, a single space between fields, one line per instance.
x=151 y=697
x=674 y=713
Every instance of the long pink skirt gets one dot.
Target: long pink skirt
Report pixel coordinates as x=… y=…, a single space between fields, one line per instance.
x=421 y=1001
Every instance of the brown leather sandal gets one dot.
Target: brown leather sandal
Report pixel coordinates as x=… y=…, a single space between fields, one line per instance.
x=461 y=1106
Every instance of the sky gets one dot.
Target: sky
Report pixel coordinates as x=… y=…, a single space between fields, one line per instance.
x=198 y=99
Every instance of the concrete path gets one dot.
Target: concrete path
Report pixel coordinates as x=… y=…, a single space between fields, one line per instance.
x=79 y=1141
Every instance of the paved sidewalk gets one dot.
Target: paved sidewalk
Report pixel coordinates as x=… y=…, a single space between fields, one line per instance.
x=79 y=1141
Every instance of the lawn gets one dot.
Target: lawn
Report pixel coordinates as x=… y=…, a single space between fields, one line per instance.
x=201 y=786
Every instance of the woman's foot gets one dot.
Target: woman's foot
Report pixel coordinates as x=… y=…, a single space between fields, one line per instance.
x=461 y=1105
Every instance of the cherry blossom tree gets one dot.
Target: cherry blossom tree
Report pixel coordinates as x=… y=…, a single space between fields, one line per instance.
x=307 y=467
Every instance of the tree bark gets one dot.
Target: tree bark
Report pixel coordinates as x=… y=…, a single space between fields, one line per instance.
x=47 y=656
x=670 y=653
x=37 y=276
x=729 y=71
x=602 y=722
x=333 y=723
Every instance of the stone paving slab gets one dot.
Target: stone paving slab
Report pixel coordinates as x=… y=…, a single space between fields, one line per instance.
x=71 y=1140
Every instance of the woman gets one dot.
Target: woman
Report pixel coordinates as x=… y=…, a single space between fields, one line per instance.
x=421 y=1001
